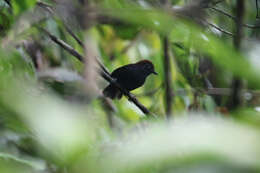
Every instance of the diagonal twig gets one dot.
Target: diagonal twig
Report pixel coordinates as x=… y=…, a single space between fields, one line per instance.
x=126 y=93
x=64 y=45
x=74 y=36
x=220 y=29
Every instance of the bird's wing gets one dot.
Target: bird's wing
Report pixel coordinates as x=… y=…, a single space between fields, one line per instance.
x=123 y=71
x=129 y=77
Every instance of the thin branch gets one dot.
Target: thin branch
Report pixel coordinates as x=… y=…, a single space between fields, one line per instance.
x=223 y=12
x=109 y=109
x=208 y=91
x=49 y=8
x=8 y=2
x=167 y=77
x=216 y=91
x=46 y=7
x=235 y=100
x=82 y=45
x=217 y=2
x=10 y=9
x=126 y=93
x=104 y=73
x=257 y=11
x=234 y=18
x=220 y=29
x=74 y=36
x=240 y=12
x=64 y=45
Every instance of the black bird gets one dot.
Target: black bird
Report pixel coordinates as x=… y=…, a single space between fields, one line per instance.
x=129 y=77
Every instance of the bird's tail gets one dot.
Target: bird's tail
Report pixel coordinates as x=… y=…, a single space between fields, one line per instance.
x=112 y=92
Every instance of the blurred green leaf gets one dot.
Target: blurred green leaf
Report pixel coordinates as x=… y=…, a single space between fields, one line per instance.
x=20 y=6
x=33 y=163
x=126 y=32
x=194 y=140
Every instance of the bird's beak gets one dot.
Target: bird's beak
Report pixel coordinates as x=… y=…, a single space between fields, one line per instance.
x=155 y=73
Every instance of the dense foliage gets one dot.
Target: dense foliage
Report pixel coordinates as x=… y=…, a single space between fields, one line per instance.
x=200 y=114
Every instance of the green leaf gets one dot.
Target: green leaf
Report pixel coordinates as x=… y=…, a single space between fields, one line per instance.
x=38 y=165
x=126 y=31
x=20 y=6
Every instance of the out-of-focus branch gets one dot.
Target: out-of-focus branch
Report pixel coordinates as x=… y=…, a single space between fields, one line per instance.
x=237 y=85
x=109 y=109
x=240 y=12
x=217 y=2
x=217 y=92
x=104 y=74
x=64 y=45
x=234 y=18
x=257 y=10
x=167 y=77
x=8 y=2
x=74 y=36
x=126 y=93
x=45 y=6
x=220 y=29
x=49 y=8
x=10 y=9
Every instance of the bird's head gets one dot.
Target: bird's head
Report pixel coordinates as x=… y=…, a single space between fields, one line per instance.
x=147 y=67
